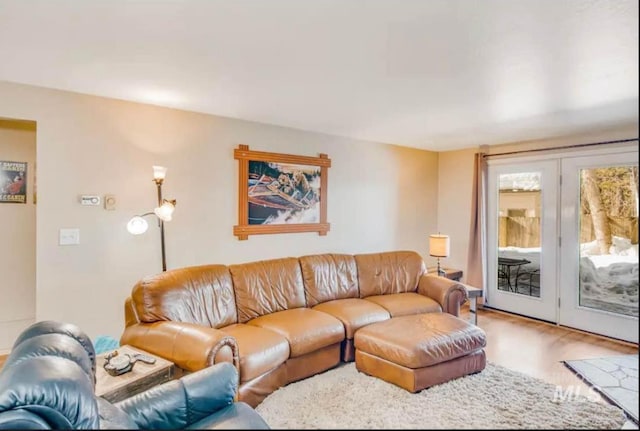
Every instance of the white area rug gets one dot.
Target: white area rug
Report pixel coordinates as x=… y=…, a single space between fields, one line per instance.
x=495 y=398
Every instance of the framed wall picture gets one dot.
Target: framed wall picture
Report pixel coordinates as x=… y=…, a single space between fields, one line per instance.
x=281 y=193
x=13 y=182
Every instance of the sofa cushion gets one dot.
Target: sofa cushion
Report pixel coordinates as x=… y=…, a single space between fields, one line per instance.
x=260 y=350
x=402 y=304
x=387 y=273
x=354 y=313
x=306 y=330
x=112 y=418
x=267 y=286
x=328 y=277
x=198 y=294
x=236 y=416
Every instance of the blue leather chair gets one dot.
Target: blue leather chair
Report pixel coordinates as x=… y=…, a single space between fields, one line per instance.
x=48 y=382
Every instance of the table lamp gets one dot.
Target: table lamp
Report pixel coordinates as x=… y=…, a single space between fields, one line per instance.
x=439 y=247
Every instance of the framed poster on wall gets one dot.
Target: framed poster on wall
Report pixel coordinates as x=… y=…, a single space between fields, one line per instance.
x=13 y=182
x=281 y=193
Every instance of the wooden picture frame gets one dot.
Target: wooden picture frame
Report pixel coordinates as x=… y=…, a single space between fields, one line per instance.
x=281 y=193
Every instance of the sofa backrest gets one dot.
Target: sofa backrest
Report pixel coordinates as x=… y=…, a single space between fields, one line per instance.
x=53 y=327
x=328 y=277
x=390 y=272
x=267 y=286
x=47 y=381
x=198 y=294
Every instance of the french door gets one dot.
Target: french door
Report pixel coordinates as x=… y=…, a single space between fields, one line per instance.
x=562 y=239
x=599 y=254
x=522 y=237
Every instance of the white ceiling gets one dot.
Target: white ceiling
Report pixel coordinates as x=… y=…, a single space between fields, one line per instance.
x=433 y=74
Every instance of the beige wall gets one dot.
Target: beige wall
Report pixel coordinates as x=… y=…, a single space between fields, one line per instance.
x=455 y=181
x=381 y=197
x=18 y=233
x=622 y=131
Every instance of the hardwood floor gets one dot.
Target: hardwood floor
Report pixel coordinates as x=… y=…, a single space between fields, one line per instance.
x=537 y=348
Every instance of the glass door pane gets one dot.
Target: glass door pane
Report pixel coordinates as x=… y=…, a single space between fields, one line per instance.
x=519 y=233
x=522 y=209
x=608 y=254
x=599 y=253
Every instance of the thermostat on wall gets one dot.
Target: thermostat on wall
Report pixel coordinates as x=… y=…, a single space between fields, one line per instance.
x=90 y=200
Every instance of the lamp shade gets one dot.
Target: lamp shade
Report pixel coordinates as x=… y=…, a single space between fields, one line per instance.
x=137 y=225
x=439 y=245
x=165 y=211
x=159 y=172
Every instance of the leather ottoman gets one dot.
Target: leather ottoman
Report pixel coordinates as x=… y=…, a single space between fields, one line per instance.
x=418 y=351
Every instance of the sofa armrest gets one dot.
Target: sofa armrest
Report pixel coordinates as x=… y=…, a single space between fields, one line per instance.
x=52 y=386
x=180 y=403
x=448 y=293
x=191 y=347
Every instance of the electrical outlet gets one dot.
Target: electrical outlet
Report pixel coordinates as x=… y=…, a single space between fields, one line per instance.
x=69 y=237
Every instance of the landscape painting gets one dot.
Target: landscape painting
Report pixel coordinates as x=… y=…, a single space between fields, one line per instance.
x=281 y=193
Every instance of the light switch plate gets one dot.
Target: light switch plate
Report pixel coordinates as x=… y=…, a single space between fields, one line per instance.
x=69 y=237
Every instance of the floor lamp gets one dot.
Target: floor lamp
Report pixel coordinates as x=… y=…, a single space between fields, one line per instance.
x=439 y=247
x=164 y=212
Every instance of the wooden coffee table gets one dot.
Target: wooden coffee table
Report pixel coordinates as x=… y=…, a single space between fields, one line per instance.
x=142 y=377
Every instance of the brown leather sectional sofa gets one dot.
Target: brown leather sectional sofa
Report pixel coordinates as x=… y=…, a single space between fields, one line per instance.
x=279 y=320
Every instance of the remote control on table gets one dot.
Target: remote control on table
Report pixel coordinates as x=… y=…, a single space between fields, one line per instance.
x=145 y=358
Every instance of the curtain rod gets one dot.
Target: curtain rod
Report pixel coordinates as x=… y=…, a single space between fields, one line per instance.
x=535 y=150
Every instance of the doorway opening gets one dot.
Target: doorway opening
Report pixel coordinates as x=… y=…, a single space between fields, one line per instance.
x=17 y=228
